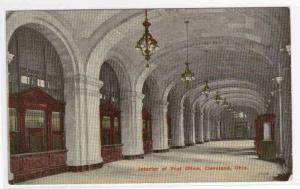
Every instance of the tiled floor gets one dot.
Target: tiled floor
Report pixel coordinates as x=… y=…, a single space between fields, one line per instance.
x=218 y=161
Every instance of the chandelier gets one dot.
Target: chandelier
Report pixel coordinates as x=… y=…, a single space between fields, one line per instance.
x=206 y=89
x=146 y=44
x=187 y=76
x=225 y=103
x=218 y=98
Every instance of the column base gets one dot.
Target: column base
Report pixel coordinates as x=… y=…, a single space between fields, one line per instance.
x=82 y=168
x=206 y=140
x=282 y=177
x=130 y=157
x=190 y=144
x=161 y=151
x=177 y=147
x=199 y=142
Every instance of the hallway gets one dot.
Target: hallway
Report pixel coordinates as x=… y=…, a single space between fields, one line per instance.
x=216 y=161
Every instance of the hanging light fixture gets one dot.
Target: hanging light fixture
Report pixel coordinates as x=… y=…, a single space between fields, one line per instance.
x=187 y=76
x=206 y=89
x=225 y=103
x=147 y=44
x=218 y=97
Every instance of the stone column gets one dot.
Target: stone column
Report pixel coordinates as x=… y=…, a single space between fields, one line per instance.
x=159 y=126
x=83 y=125
x=93 y=121
x=198 y=127
x=201 y=131
x=177 y=127
x=190 y=128
x=9 y=58
x=218 y=130
x=132 y=124
x=279 y=81
x=206 y=126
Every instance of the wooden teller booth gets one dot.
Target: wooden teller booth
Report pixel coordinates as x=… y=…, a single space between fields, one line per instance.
x=264 y=140
x=169 y=130
x=110 y=125
x=36 y=131
x=147 y=131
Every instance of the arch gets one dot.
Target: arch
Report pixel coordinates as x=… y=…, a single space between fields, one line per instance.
x=217 y=42
x=121 y=72
x=222 y=86
x=53 y=30
x=139 y=82
x=240 y=99
x=62 y=41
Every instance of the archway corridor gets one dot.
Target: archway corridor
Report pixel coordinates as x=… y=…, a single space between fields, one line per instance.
x=215 y=161
x=85 y=105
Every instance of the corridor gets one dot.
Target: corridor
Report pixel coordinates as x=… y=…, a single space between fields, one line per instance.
x=87 y=104
x=216 y=161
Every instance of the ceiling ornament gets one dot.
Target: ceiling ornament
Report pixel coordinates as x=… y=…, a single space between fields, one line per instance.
x=187 y=76
x=206 y=89
x=147 y=44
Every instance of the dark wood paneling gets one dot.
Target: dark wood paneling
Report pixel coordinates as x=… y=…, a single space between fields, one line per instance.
x=34 y=165
x=111 y=153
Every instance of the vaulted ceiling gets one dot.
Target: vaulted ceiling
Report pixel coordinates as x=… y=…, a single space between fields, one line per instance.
x=236 y=49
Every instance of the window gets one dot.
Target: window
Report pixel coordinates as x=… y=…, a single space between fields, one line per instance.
x=25 y=79
x=36 y=73
x=41 y=83
x=13 y=120
x=57 y=133
x=267 y=131
x=36 y=131
x=117 y=132
x=110 y=124
x=13 y=130
x=106 y=130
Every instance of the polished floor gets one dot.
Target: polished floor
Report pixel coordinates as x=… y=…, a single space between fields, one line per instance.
x=218 y=161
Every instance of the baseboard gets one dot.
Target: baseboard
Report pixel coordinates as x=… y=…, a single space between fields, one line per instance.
x=82 y=168
x=161 y=151
x=130 y=157
x=177 y=147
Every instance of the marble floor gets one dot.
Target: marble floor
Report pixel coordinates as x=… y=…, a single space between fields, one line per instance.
x=217 y=161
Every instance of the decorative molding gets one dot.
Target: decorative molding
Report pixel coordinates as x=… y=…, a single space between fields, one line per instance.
x=161 y=150
x=82 y=168
x=131 y=157
x=9 y=57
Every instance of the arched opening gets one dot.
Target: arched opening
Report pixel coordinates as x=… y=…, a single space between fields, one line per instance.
x=169 y=126
x=264 y=139
x=147 y=120
x=36 y=106
x=110 y=115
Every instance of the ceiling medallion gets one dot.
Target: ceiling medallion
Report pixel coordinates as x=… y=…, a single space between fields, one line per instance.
x=187 y=76
x=206 y=89
x=147 y=44
x=225 y=103
x=218 y=97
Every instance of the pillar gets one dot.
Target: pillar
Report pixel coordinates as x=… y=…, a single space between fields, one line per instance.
x=9 y=58
x=132 y=124
x=206 y=127
x=83 y=125
x=218 y=137
x=177 y=126
x=159 y=126
x=279 y=81
x=189 y=125
x=199 y=127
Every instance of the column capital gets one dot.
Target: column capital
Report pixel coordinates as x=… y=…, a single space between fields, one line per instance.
x=88 y=85
x=132 y=94
x=160 y=103
x=193 y=111
x=9 y=57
